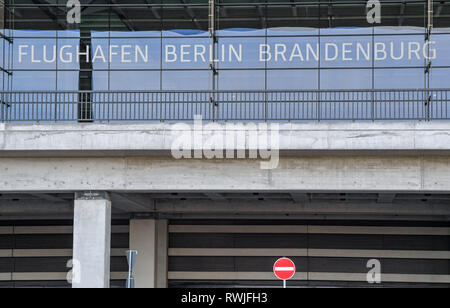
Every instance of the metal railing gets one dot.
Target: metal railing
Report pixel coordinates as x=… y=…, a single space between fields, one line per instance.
x=325 y=105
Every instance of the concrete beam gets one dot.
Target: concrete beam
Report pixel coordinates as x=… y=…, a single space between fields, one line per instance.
x=389 y=174
x=217 y=209
x=48 y=197
x=283 y=207
x=299 y=197
x=35 y=207
x=157 y=138
x=319 y=217
x=386 y=198
x=92 y=241
x=127 y=203
x=215 y=196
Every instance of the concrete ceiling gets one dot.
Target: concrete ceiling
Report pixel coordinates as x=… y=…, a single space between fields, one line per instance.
x=298 y=205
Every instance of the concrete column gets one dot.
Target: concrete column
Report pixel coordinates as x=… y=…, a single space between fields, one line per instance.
x=162 y=247
x=92 y=240
x=150 y=238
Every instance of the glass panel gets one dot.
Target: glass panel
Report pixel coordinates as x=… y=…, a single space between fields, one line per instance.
x=34 y=81
x=186 y=52
x=243 y=15
x=401 y=78
x=440 y=106
x=135 y=53
x=393 y=51
x=344 y=18
x=242 y=80
x=186 y=80
x=69 y=54
x=440 y=78
x=292 y=52
x=402 y=17
x=37 y=53
x=68 y=80
x=298 y=17
x=191 y=18
x=241 y=53
x=99 y=51
x=441 y=20
x=3 y=46
x=97 y=17
x=346 y=51
x=241 y=34
x=137 y=18
x=135 y=80
x=246 y=105
x=37 y=17
x=345 y=79
x=292 y=79
x=100 y=80
x=442 y=50
x=2 y=84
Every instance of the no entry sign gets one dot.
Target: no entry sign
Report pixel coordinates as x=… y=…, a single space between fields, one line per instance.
x=284 y=269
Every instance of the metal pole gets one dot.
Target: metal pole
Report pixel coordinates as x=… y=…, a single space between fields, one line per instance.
x=284 y=284
x=129 y=276
x=131 y=258
x=429 y=62
x=214 y=43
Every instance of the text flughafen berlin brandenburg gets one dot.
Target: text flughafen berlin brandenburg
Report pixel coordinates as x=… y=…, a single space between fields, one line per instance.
x=203 y=53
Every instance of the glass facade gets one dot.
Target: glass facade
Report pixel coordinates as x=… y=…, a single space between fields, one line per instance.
x=238 y=45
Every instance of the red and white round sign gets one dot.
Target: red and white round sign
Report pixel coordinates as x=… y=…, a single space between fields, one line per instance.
x=284 y=268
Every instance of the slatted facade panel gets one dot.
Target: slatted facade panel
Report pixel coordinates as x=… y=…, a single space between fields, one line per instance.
x=218 y=253
x=35 y=253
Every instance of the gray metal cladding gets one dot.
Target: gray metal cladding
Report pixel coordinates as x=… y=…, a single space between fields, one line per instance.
x=326 y=253
x=336 y=241
x=303 y=264
x=6 y=241
x=58 y=241
x=242 y=253
x=35 y=253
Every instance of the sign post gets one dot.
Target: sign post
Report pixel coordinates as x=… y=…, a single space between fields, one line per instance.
x=131 y=258
x=284 y=269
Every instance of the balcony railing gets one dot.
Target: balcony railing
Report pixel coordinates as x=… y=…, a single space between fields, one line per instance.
x=325 y=105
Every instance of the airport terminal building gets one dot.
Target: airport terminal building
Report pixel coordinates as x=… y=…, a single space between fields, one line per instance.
x=216 y=136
